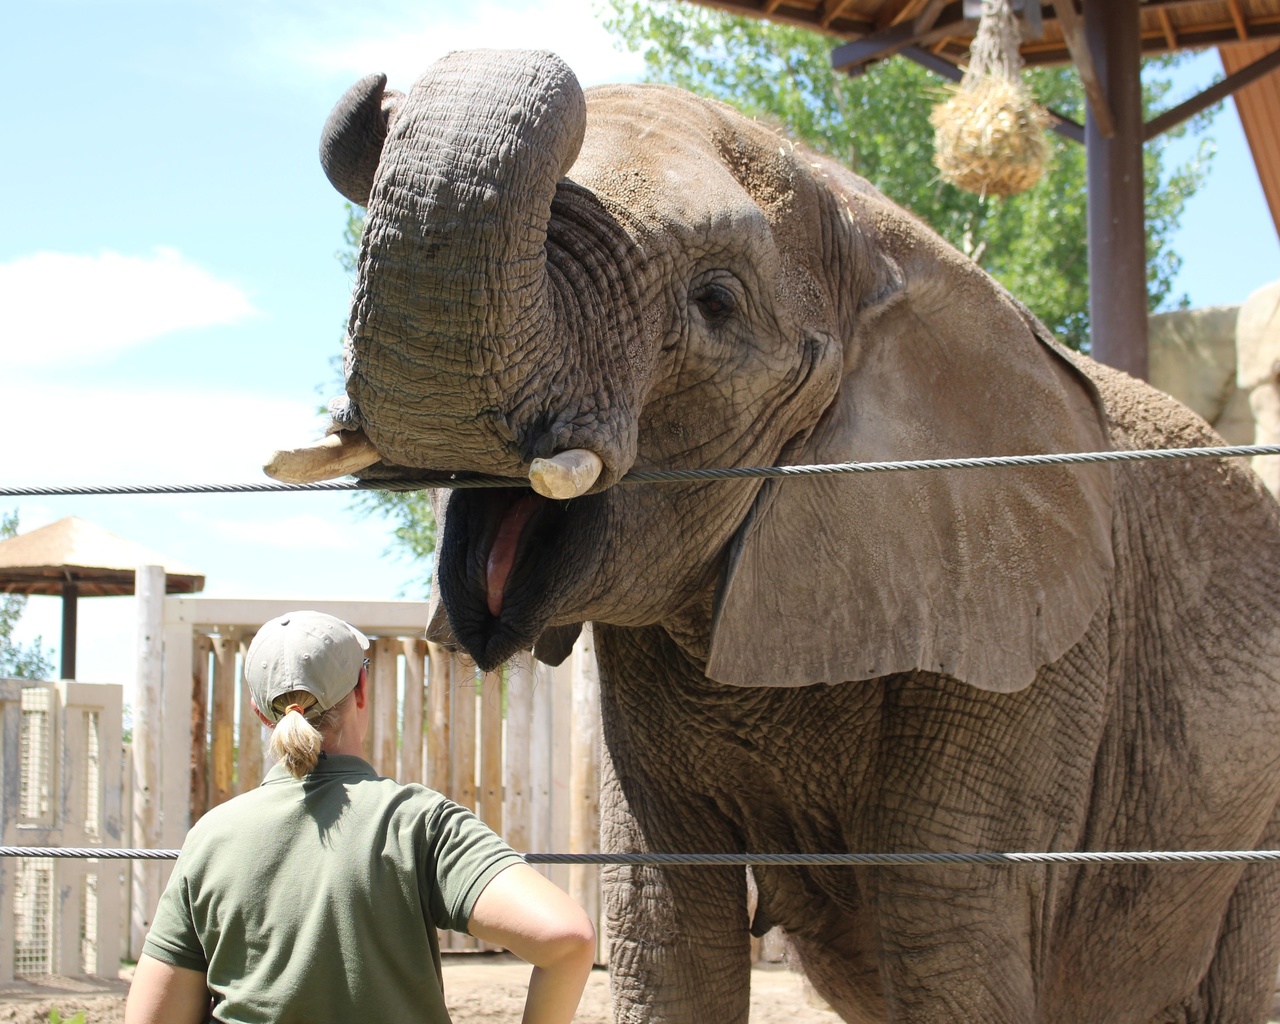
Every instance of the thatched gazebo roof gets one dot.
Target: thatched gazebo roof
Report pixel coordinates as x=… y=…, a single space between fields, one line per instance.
x=75 y=558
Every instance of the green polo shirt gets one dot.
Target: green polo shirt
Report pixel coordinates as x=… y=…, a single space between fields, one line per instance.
x=318 y=900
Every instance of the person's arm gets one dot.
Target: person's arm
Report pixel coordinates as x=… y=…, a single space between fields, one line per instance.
x=535 y=919
x=164 y=994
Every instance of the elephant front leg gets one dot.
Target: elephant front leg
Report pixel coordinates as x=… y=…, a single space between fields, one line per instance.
x=679 y=944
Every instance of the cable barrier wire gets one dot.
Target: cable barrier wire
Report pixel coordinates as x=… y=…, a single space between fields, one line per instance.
x=766 y=859
x=424 y=481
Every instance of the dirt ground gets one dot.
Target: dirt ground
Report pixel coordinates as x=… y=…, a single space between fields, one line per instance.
x=478 y=988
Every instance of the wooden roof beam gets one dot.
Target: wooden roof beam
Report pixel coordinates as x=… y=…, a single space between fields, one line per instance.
x=855 y=56
x=832 y=9
x=928 y=17
x=1073 y=33
x=1237 y=15
x=1218 y=91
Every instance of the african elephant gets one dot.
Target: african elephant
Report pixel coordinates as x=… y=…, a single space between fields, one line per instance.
x=1066 y=658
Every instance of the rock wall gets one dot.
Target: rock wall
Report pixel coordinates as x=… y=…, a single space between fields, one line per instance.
x=1224 y=362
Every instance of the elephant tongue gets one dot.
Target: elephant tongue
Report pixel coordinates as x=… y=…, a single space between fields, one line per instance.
x=502 y=554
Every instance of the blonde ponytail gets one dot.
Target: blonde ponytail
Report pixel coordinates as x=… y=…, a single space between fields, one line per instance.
x=295 y=742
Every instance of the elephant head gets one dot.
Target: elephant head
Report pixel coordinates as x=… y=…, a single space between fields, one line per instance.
x=652 y=278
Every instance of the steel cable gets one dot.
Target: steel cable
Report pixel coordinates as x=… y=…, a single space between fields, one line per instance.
x=425 y=481
x=764 y=859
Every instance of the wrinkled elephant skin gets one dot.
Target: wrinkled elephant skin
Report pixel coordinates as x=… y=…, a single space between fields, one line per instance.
x=1066 y=658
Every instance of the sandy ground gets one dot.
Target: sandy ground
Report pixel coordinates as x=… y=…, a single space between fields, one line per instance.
x=478 y=989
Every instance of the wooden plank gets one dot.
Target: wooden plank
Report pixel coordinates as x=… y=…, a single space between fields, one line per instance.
x=175 y=756
x=1166 y=26
x=491 y=750
x=148 y=737
x=584 y=789
x=411 y=737
x=198 y=793
x=928 y=17
x=890 y=13
x=541 y=765
x=1256 y=104
x=1073 y=33
x=462 y=732
x=1237 y=18
x=223 y=718
x=107 y=700
x=374 y=618
x=10 y=790
x=561 y=770
x=462 y=738
x=249 y=757
x=832 y=9
x=438 y=723
x=385 y=711
x=517 y=780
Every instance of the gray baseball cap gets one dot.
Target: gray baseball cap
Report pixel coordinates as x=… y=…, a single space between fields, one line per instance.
x=308 y=651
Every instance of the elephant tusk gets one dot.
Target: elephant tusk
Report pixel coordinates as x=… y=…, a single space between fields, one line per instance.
x=347 y=451
x=567 y=475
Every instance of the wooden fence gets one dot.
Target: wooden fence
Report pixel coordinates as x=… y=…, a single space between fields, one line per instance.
x=518 y=746
x=62 y=783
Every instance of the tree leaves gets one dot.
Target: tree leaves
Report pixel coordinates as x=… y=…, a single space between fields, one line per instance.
x=877 y=124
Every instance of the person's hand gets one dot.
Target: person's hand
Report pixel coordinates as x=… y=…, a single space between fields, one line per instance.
x=538 y=922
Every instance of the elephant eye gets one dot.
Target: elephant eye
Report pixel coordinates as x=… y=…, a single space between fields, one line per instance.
x=715 y=302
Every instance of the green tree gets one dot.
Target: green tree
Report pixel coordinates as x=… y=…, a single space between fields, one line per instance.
x=877 y=124
x=16 y=660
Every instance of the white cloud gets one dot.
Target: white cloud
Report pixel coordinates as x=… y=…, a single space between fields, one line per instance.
x=411 y=36
x=60 y=307
x=300 y=532
x=145 y=435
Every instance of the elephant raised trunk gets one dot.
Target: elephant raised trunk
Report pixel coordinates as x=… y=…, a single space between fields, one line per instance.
x=453 y=304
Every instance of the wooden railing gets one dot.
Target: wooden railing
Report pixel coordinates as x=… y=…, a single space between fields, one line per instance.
x=519 y=746
x=61 y=784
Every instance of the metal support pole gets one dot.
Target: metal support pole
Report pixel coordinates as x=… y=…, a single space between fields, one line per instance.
x=70 y=593
x=1117 y=228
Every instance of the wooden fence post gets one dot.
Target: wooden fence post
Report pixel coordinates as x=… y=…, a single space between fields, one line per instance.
x=411 y=735
x=540 y=762
x=462 y=737
x=518 y=781
x=249 y=766
x=584 y=789
x=201 y=648
x=439 y=698
x=385 y=705
x=223 y=718
x=148 y=735
x=491 y=750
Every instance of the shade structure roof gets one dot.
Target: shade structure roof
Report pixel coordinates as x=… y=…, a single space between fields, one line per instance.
x=99 y=562
x=1243 y=30
x=1166 y=26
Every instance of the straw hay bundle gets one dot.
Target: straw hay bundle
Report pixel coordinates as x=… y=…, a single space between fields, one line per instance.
x=989 y=135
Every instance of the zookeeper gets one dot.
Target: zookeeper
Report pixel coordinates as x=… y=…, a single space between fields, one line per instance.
x=316 y=897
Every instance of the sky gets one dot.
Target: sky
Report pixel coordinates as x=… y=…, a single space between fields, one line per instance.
x=170 y=297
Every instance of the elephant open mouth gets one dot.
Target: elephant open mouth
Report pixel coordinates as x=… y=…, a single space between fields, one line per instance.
x=507 y=559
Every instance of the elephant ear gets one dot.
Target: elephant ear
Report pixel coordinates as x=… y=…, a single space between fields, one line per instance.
x=352 y=137
x=984 y=575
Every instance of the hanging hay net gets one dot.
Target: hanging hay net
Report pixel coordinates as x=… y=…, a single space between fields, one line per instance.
x=989 y=135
